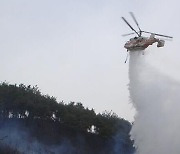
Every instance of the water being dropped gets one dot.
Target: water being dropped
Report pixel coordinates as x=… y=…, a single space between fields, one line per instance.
x=156 y=99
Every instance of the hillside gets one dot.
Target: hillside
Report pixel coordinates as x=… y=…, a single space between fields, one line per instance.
x=31 y=122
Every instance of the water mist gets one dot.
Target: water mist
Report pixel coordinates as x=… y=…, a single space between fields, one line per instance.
x=156 y=98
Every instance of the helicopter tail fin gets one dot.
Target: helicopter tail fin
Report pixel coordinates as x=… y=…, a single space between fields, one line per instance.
x=160 y=43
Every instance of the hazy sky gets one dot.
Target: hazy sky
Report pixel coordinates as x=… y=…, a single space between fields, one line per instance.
x=73 y=49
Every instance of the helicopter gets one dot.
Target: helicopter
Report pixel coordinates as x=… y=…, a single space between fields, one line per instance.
x=140 y=42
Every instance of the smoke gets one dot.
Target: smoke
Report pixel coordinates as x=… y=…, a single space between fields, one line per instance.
x=18 y=137
x=156 y=99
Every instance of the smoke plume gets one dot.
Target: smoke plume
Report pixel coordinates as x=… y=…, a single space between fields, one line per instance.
x=18 y=137
x=156 y=99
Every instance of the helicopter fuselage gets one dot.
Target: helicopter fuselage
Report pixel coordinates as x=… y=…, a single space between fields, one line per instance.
x=141 y=43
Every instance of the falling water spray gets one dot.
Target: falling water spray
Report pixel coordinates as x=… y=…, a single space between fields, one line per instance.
x=156 y=98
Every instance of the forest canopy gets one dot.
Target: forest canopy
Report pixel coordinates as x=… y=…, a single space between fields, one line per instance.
x=21 y=101
x=50 y=120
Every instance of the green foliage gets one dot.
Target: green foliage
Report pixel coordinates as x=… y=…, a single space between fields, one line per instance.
x=27 y=102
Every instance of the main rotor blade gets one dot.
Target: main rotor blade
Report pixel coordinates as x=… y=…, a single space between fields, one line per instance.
x=158 y=34
x=130 y=26
x=132 y=15
x=128 y=34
